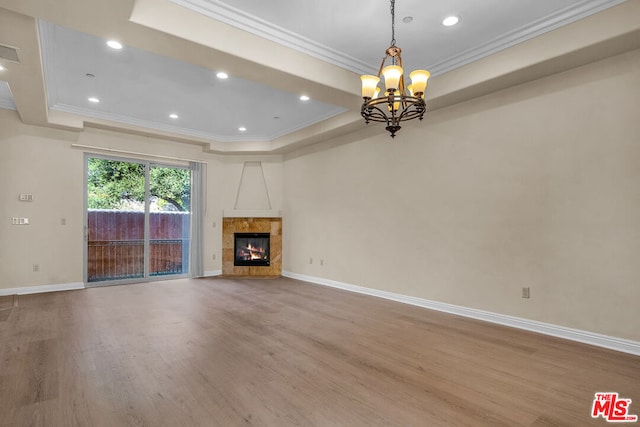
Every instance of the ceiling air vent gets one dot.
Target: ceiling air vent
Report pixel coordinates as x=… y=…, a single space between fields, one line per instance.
x=9 y=53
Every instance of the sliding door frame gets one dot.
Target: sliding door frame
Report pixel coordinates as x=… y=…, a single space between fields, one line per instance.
x=146 y=277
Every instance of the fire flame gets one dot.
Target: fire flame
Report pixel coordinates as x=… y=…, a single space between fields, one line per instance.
x=255 y=252
x=251 y=253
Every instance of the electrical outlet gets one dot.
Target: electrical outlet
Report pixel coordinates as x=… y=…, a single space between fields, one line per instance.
x=214 y=224
x=321 y=262
x=19 y=221
x=36 y=268
x=310 y=260
x=26 y=197
x=526 y=292
x=214 y=257
x=63 y=221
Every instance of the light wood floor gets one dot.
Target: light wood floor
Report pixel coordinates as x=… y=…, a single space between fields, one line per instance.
x=281 y=352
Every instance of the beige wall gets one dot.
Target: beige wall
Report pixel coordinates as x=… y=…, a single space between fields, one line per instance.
x=533 y=186
x=40 y=161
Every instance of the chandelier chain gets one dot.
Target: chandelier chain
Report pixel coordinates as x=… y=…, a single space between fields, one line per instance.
x=393 y=22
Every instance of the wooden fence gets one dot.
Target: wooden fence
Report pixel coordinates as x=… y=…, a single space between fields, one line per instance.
x=116 y=244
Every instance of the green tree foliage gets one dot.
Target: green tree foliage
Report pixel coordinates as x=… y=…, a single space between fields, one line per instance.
x=115 y=185
x=171 y=185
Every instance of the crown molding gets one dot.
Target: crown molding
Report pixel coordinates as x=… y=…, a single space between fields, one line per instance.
x=237 y=18
x=543 y=25
x=45 y=35
x=161 y=127
x=219 y=10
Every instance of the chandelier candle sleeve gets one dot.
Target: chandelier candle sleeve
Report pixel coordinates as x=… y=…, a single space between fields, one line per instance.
x=392 y=74
x=419 y=80
x=369 y=86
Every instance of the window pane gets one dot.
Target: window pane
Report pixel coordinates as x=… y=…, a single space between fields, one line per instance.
x=115 y=200
x=169 y=220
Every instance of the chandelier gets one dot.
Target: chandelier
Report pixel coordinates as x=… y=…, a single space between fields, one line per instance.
x=395 y=105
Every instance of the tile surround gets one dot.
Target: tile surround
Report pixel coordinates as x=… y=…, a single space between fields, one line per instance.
x=252 y=225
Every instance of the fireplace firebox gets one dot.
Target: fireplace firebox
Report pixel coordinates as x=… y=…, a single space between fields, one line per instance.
x=251 y=249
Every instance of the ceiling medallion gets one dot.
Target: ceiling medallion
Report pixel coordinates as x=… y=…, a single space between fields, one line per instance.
x=395 y=105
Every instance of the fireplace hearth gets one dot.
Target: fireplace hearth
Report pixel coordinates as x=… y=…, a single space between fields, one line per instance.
x=251 y=249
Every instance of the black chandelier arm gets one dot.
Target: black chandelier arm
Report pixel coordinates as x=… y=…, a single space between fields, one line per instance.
x=406 y=101
x=413 y=111
x=412 y=108
x=374 y=114
x=371 y=112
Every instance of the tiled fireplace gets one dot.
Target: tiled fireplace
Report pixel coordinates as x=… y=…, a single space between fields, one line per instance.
x=252 y=246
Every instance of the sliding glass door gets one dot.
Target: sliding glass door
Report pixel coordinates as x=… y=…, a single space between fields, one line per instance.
x=138 y=220
x=169 y=220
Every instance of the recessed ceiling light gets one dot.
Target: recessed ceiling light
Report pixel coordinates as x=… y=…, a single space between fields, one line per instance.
x=450 y=21
x=93 y=99
x=304 y=98
x=114 y=44
x=2 y=68
x=242 y=129
x=173 y=116
x=222 y=75
x=407 y=19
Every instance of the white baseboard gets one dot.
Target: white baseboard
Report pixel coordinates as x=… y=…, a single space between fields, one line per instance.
x=212 y=273
x=66 y=286
x=592 y=338
x=42 y=288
